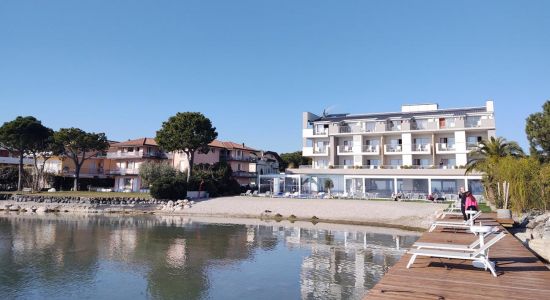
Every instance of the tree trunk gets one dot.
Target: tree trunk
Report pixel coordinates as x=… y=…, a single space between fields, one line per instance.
x=76 y=177
x=20 y=178
x=190 y=161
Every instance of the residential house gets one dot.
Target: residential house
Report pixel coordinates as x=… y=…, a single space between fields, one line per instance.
x=126 y=159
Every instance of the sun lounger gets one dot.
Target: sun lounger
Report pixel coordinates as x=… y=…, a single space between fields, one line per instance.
x=458 y=247
x=480 y=255
x=456 y=224
x=248 y=193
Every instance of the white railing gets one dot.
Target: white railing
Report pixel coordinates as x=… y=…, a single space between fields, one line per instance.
x=124 y=171
x=393 y=148
x=443 y=147
x=345 y=149
x=373 y=149
x=421 y=148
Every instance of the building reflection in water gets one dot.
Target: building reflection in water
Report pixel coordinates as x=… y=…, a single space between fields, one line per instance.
x=177 y=255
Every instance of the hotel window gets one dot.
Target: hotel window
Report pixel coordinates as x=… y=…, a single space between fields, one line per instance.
x=369 y=126
x=421 y=124
x=348 y=162
x=473 y=121
x=373 y=162
x=238 y=167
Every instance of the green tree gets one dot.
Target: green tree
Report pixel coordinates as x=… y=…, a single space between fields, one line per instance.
x=492 y=149
x=538 y=133
x=21 y=135
x=150 y=171
x=187 y=132
x=485 y=159
x=80 y=146
x=293 y=160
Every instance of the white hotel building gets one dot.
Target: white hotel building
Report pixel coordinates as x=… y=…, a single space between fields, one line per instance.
x=420 y=150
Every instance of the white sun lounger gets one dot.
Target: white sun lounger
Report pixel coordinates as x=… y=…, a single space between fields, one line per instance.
x=458 y=247
x=480 y=255
x=456 y=224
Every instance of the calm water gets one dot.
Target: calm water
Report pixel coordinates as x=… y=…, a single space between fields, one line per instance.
x=153 y=257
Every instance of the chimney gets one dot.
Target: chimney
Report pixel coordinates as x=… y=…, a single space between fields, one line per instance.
x=243 y=145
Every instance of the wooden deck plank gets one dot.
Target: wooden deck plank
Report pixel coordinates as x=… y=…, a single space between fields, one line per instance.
x=521 y=275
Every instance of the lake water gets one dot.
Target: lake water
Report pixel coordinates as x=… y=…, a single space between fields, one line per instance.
x=163 y=257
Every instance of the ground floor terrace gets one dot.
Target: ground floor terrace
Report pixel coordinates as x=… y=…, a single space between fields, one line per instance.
x=407 y=185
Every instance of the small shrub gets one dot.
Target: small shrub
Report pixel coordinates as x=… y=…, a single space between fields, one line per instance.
x=278 y=216
x=292 y=217
x=170 y=188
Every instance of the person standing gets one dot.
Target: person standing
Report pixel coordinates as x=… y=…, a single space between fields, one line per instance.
x=462 y=195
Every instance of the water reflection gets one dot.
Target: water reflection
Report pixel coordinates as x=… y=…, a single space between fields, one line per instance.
x=164 y=257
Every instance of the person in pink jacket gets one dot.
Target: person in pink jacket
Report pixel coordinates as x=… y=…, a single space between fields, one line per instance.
x=471 y=202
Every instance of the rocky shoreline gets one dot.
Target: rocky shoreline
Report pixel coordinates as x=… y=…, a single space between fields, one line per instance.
x=45 y=204
x=533 y=231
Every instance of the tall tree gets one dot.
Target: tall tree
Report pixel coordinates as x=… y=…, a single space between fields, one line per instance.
x=21 y=135
x=187 y=132
x=80 y=146
x=293 y=160
x=492 y=149
x=486 y=158
x=41 y=151
x=538 y=133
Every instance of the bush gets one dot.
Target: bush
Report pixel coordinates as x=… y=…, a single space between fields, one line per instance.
x=169 y=188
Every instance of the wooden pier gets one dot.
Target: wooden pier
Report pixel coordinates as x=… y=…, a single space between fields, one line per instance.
x=521 y=275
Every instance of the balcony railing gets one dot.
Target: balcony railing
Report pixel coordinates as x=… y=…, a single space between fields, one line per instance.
x=375 y=167
x=443 y=147
x=372 y=149
x=344 y=129
x=124 y=171
x=320 y=132
x=345 y=149
x=238 y=158
x=393 y=148
x=320 y=150
x=472 y=146
x=135 y=154
x=421 y=148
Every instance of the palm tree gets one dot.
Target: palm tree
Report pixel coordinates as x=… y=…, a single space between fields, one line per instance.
x=485 y=159
x=490 y=150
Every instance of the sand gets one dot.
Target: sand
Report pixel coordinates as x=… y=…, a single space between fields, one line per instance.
x=407 y=214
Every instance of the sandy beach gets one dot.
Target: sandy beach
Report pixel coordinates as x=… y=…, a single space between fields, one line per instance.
x=408 y=214
x=416 y=215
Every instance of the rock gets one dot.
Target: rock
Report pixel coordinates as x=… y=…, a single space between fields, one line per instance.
x=541 y=247
x=541 y=218
x=187 y=206
x=192 y=202
x=15 y=208
x=546 y=233
x=524 y=237
x=52 y=190
x=185 y=201
x=170 y=203
x=531 y=224
x=41 y=210
x=538 y=232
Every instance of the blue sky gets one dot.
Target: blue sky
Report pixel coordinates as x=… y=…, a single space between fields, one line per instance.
x=252 y=67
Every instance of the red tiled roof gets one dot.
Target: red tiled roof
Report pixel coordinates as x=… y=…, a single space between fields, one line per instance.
x=137 y=142
x=230 y=145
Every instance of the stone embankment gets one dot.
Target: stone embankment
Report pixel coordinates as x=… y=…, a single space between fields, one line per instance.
x=43 y=204
x=534 y=232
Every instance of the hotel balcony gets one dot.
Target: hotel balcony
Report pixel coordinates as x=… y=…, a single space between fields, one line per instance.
x=343 y=150
x=238 y=158
x=472 y=147
x=315 y=151
x=312 y=133
x=123 y=171
x=15 y=160
x=393 y=149
x=443 y=148
x=370 y=150
x=84 y=172
x=135 y=154
x=421 y=149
